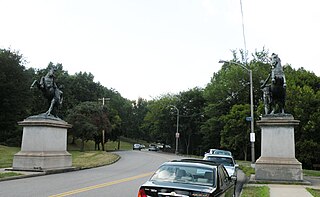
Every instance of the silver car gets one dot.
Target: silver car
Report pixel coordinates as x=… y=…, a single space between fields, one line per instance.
x=218 y=152
x=226 y=160
x=136 y=147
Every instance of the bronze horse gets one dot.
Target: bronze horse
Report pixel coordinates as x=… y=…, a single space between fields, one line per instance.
x=275 y=93
x=50 y=90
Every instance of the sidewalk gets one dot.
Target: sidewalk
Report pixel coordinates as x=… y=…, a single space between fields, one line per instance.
x=287 y=189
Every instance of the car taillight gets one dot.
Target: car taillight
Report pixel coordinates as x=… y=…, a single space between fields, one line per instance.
x=142 y=193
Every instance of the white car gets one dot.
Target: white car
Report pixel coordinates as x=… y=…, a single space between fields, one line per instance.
x=136 y=147
x=218 y=152
x=226 y=160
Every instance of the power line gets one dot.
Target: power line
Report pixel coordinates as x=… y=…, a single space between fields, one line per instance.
x=243 y=33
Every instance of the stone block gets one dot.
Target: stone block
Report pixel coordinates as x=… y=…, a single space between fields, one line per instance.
x=44 y=146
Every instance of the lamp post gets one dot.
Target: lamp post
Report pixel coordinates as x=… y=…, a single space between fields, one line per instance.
x=252 y=134
x=177 y=132
x=103 y=131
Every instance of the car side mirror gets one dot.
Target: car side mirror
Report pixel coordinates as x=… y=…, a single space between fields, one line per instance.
x=236 y=165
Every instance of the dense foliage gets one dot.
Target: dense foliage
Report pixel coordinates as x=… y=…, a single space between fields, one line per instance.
x=210 y=117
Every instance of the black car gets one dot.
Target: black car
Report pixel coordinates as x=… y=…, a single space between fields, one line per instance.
x=189 y=178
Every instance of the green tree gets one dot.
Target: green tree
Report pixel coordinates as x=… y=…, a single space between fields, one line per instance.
x=228 y=87
x=88 y=120
x=15 y=98
x=160 y=122
x=303 y=102
x=191 y=105
x=236 y=130
x=139 y=111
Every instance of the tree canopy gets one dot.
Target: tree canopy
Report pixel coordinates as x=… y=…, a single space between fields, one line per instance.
x=209 y=117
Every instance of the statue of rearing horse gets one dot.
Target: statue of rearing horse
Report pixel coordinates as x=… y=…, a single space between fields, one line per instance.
x=277 y=88
x=50 y=90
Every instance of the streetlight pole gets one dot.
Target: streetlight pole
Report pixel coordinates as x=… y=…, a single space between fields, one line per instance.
x=252 y=134
x=103 y=131
x=177 y=132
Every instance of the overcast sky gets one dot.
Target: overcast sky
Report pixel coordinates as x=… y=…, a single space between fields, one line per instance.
x=146 y=48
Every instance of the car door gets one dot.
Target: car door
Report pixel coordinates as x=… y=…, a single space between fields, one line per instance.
x=225 y=183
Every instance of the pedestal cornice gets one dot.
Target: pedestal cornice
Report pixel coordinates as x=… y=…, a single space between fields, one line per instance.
x=277 y=120
x=45 y=122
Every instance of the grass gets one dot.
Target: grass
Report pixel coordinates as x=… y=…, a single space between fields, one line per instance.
x=255 y=191
x=311 y=173
x=9 y=174
x=92 y=159
x=245 y=166
x=6 y=155
x=109 y=146
x=82 y=160
x=314 y=192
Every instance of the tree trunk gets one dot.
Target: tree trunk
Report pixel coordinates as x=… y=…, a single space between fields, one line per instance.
x=245 y=152
x=82 y=146
x=188 y=143
x=119 y=143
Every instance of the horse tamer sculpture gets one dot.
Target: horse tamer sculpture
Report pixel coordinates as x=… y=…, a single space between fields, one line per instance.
x=274 y=94
x=50 y=90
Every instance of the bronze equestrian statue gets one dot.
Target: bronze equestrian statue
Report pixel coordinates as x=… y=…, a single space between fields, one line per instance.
x=50 y=91
x=274 y=94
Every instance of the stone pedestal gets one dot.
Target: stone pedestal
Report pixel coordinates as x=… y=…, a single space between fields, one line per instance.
x=44 y=145
x=277 y=161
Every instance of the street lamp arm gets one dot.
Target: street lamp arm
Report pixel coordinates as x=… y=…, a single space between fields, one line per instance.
x=232 y=62
x=251 y=105
x=174 y=108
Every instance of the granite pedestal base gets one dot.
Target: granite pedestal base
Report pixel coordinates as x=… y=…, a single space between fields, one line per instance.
x=277 y=161
x=44 y=146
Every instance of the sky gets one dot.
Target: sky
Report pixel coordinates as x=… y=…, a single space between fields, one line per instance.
x=148 y=48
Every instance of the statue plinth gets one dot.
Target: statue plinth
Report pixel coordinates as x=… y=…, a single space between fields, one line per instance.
x=277 y=161
x=44 y=145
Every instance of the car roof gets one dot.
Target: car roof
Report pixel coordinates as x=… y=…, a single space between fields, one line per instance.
x=194 y=162
x=218 y=150
x=218 y=155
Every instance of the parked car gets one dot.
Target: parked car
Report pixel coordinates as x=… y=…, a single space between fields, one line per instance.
x=136 y=147
x=153 y=147
x=218 y=152
x=226 y=160
x=189 y=177
x=142 y=146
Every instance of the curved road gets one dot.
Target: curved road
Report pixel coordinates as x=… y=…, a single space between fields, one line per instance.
x=121 y=179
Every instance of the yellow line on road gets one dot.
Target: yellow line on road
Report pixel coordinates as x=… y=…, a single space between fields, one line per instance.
x=102 y=185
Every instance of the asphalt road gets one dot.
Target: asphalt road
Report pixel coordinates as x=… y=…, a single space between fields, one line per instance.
x=121 y=179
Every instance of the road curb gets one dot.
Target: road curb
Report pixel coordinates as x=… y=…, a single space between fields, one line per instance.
x=29 y=174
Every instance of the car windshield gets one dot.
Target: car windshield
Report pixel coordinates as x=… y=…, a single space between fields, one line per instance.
x=222 y=152
x=226 y=161
x=185 y=174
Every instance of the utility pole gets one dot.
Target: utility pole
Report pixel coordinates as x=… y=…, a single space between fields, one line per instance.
x=103 y=131
x=177 y=132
